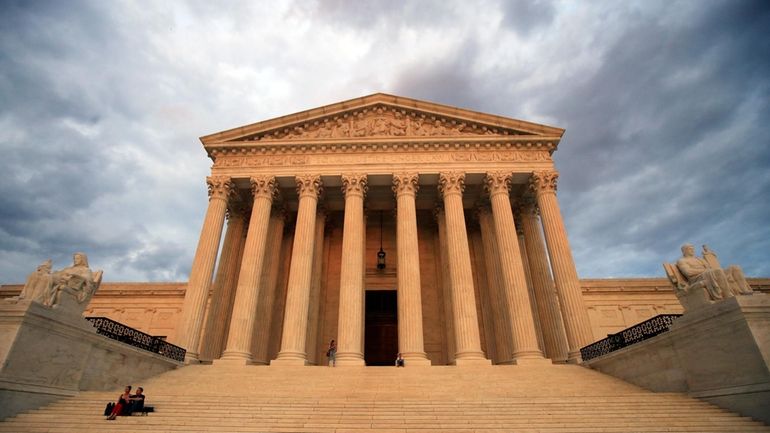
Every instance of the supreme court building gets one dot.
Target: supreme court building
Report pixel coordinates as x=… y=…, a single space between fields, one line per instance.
x=389 y=225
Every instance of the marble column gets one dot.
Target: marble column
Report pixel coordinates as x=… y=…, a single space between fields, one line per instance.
x=528 y=275
x=315 y=287
x=194 y=307
x=351 y=310
x=410 y=333
x=224 y=285
x=554 y=337
x=272 y=263
x=517 y=301
x=465 y=319
x=573 y=309
x=294 y=337
x=446 y=282
x=495 y=286
x=240 y=334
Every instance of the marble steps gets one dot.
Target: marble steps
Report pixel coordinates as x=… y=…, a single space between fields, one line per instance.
x=545 y=399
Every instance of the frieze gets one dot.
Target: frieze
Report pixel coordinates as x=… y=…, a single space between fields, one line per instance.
x=381 y=121
x=382 y=158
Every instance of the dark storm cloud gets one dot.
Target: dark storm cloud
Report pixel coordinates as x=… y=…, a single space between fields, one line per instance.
x=524 y=16
x=666 y=106
x=65 y=99
x=674 y=117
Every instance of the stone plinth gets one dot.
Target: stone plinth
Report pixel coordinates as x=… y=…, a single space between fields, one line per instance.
x=47 y=354
x=720 y=353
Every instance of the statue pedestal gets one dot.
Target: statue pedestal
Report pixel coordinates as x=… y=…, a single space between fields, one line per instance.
x=719 y=353
x=50 y=353
x=43 y=353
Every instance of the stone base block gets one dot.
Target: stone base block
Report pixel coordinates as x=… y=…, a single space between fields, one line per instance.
x=472 y=362
x=532 y=361
x=720 y=353
x=416 y=362
x=290 y=362
x=46 y=354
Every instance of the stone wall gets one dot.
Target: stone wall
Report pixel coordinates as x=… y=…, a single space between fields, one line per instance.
x=48 y=353
x=155 y=308
x=719 y=353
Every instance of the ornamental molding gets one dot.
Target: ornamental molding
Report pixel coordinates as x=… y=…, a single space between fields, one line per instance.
x=299 y=151
x=261 y=160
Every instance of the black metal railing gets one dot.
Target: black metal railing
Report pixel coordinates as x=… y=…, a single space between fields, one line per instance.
x=120 y=332
x=639 y=332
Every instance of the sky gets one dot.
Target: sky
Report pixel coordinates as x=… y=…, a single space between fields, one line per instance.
x=666 y=106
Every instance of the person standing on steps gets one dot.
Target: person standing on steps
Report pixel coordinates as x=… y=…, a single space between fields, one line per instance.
x=332 y=353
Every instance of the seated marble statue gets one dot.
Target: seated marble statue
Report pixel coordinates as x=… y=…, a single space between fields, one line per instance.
x=701 y=281
x=76 y=282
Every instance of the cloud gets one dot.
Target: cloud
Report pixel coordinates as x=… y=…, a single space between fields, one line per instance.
x=665 y=106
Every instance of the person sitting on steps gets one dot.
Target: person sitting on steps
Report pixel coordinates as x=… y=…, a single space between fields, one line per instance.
x=399 y=360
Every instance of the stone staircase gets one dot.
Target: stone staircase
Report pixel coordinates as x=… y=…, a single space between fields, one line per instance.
x=537 y=398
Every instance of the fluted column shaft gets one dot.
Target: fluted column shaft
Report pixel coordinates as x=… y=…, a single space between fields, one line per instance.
x=410 y=333
x=512 y=270
x=446 y=283
x=495 y=286
x=573 y=309
x=264 y=313
x=554 y=338
x=194 y=306
x=224 y=287
x=351 y=309
x=241 y=330
x=298 y=289
x=315 y=288
x=466 y=324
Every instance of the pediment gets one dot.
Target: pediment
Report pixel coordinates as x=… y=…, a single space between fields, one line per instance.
x=381 y=116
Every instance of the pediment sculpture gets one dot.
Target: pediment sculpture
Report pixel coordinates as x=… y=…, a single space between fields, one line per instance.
x=70 y=288
x=701 y=281
x=381 y=121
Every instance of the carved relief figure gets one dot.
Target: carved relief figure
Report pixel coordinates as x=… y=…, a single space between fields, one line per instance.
x=360 y=126
x=37 y=283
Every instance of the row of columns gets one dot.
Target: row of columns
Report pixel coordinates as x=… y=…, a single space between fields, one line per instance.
x=558 y=301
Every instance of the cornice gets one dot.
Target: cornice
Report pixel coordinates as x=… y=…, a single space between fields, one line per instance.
x=381 y=144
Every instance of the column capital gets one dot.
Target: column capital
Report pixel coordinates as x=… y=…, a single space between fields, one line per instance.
x=309 y=185
x=451 y=182
x=220 y=187
x=354 y=184
x=236 y=209
x=497 y=182
x=264 y=187
x=544 y=182
x=405 y=183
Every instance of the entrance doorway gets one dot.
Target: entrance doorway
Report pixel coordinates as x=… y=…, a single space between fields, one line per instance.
x=381 y=328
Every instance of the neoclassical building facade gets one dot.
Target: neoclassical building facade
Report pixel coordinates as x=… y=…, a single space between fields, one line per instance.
x=389 y=225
